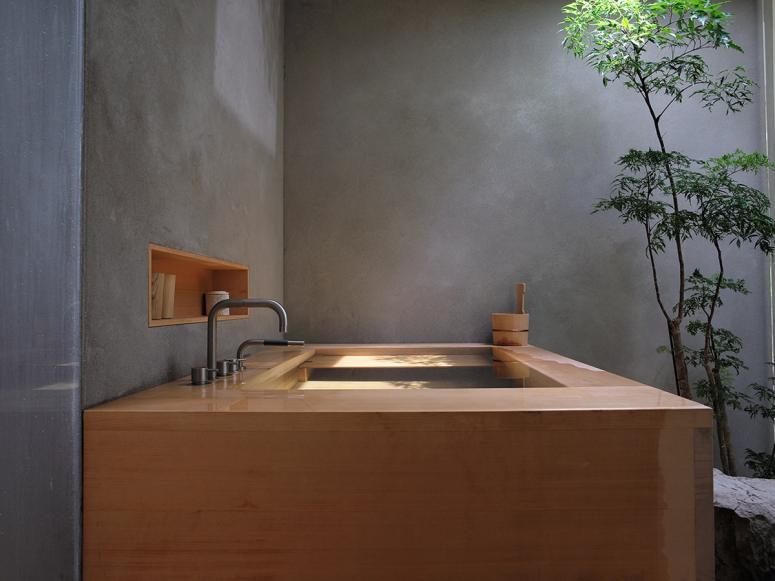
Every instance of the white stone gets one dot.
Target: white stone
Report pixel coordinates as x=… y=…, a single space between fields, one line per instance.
x=745 y=527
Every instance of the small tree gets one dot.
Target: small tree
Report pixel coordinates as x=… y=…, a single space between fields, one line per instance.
x=655 y=48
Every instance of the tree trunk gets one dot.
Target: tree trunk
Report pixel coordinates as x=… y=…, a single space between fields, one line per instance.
x=722 y=422
x=679 y=361
x=724 y=439
x=720 y=416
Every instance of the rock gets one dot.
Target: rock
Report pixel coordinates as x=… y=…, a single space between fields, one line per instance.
x=745 y=528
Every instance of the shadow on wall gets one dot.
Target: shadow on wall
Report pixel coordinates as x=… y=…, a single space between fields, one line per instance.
x=183 y=148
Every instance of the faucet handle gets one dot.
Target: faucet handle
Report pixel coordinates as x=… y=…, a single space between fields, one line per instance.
x=283 y=343
x=224 y=367
x=236 y=365
x=201 y=376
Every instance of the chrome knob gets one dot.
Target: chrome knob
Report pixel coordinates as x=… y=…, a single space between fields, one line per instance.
x=224 y=367
x=200 y=376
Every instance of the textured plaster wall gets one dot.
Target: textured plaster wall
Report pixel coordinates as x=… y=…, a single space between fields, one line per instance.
x=437 y=152
x=183 y=147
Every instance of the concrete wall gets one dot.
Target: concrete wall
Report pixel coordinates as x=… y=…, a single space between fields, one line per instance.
x=437 y=152
x=41 y=59
x=184 y=117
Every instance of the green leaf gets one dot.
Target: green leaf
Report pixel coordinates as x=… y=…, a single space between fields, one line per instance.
x=658 y=48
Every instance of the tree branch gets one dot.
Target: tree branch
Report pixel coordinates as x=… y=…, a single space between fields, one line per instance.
x=674 y=195
x=654 y=275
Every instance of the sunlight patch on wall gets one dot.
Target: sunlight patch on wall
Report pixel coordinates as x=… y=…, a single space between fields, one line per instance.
x=245 y=64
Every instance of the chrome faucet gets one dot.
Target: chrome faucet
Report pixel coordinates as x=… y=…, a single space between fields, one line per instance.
x=202 y=375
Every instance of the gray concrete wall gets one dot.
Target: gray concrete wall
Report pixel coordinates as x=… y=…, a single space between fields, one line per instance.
x=183 y=147
x=439 y=151
x=41 y=59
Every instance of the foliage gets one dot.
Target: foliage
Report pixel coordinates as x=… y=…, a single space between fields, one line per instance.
x=762 y=464
x=764 y=404
x=656 y=48
x=728 y=209
x=725 y=345
x=715 y=205
x=653 y=47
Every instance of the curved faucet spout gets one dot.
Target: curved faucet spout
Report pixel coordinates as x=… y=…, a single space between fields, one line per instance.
x=251 y=304
x=273 y=342
x=212 y=320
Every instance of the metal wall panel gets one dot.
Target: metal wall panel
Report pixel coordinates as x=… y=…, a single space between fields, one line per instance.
x=41 y=71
